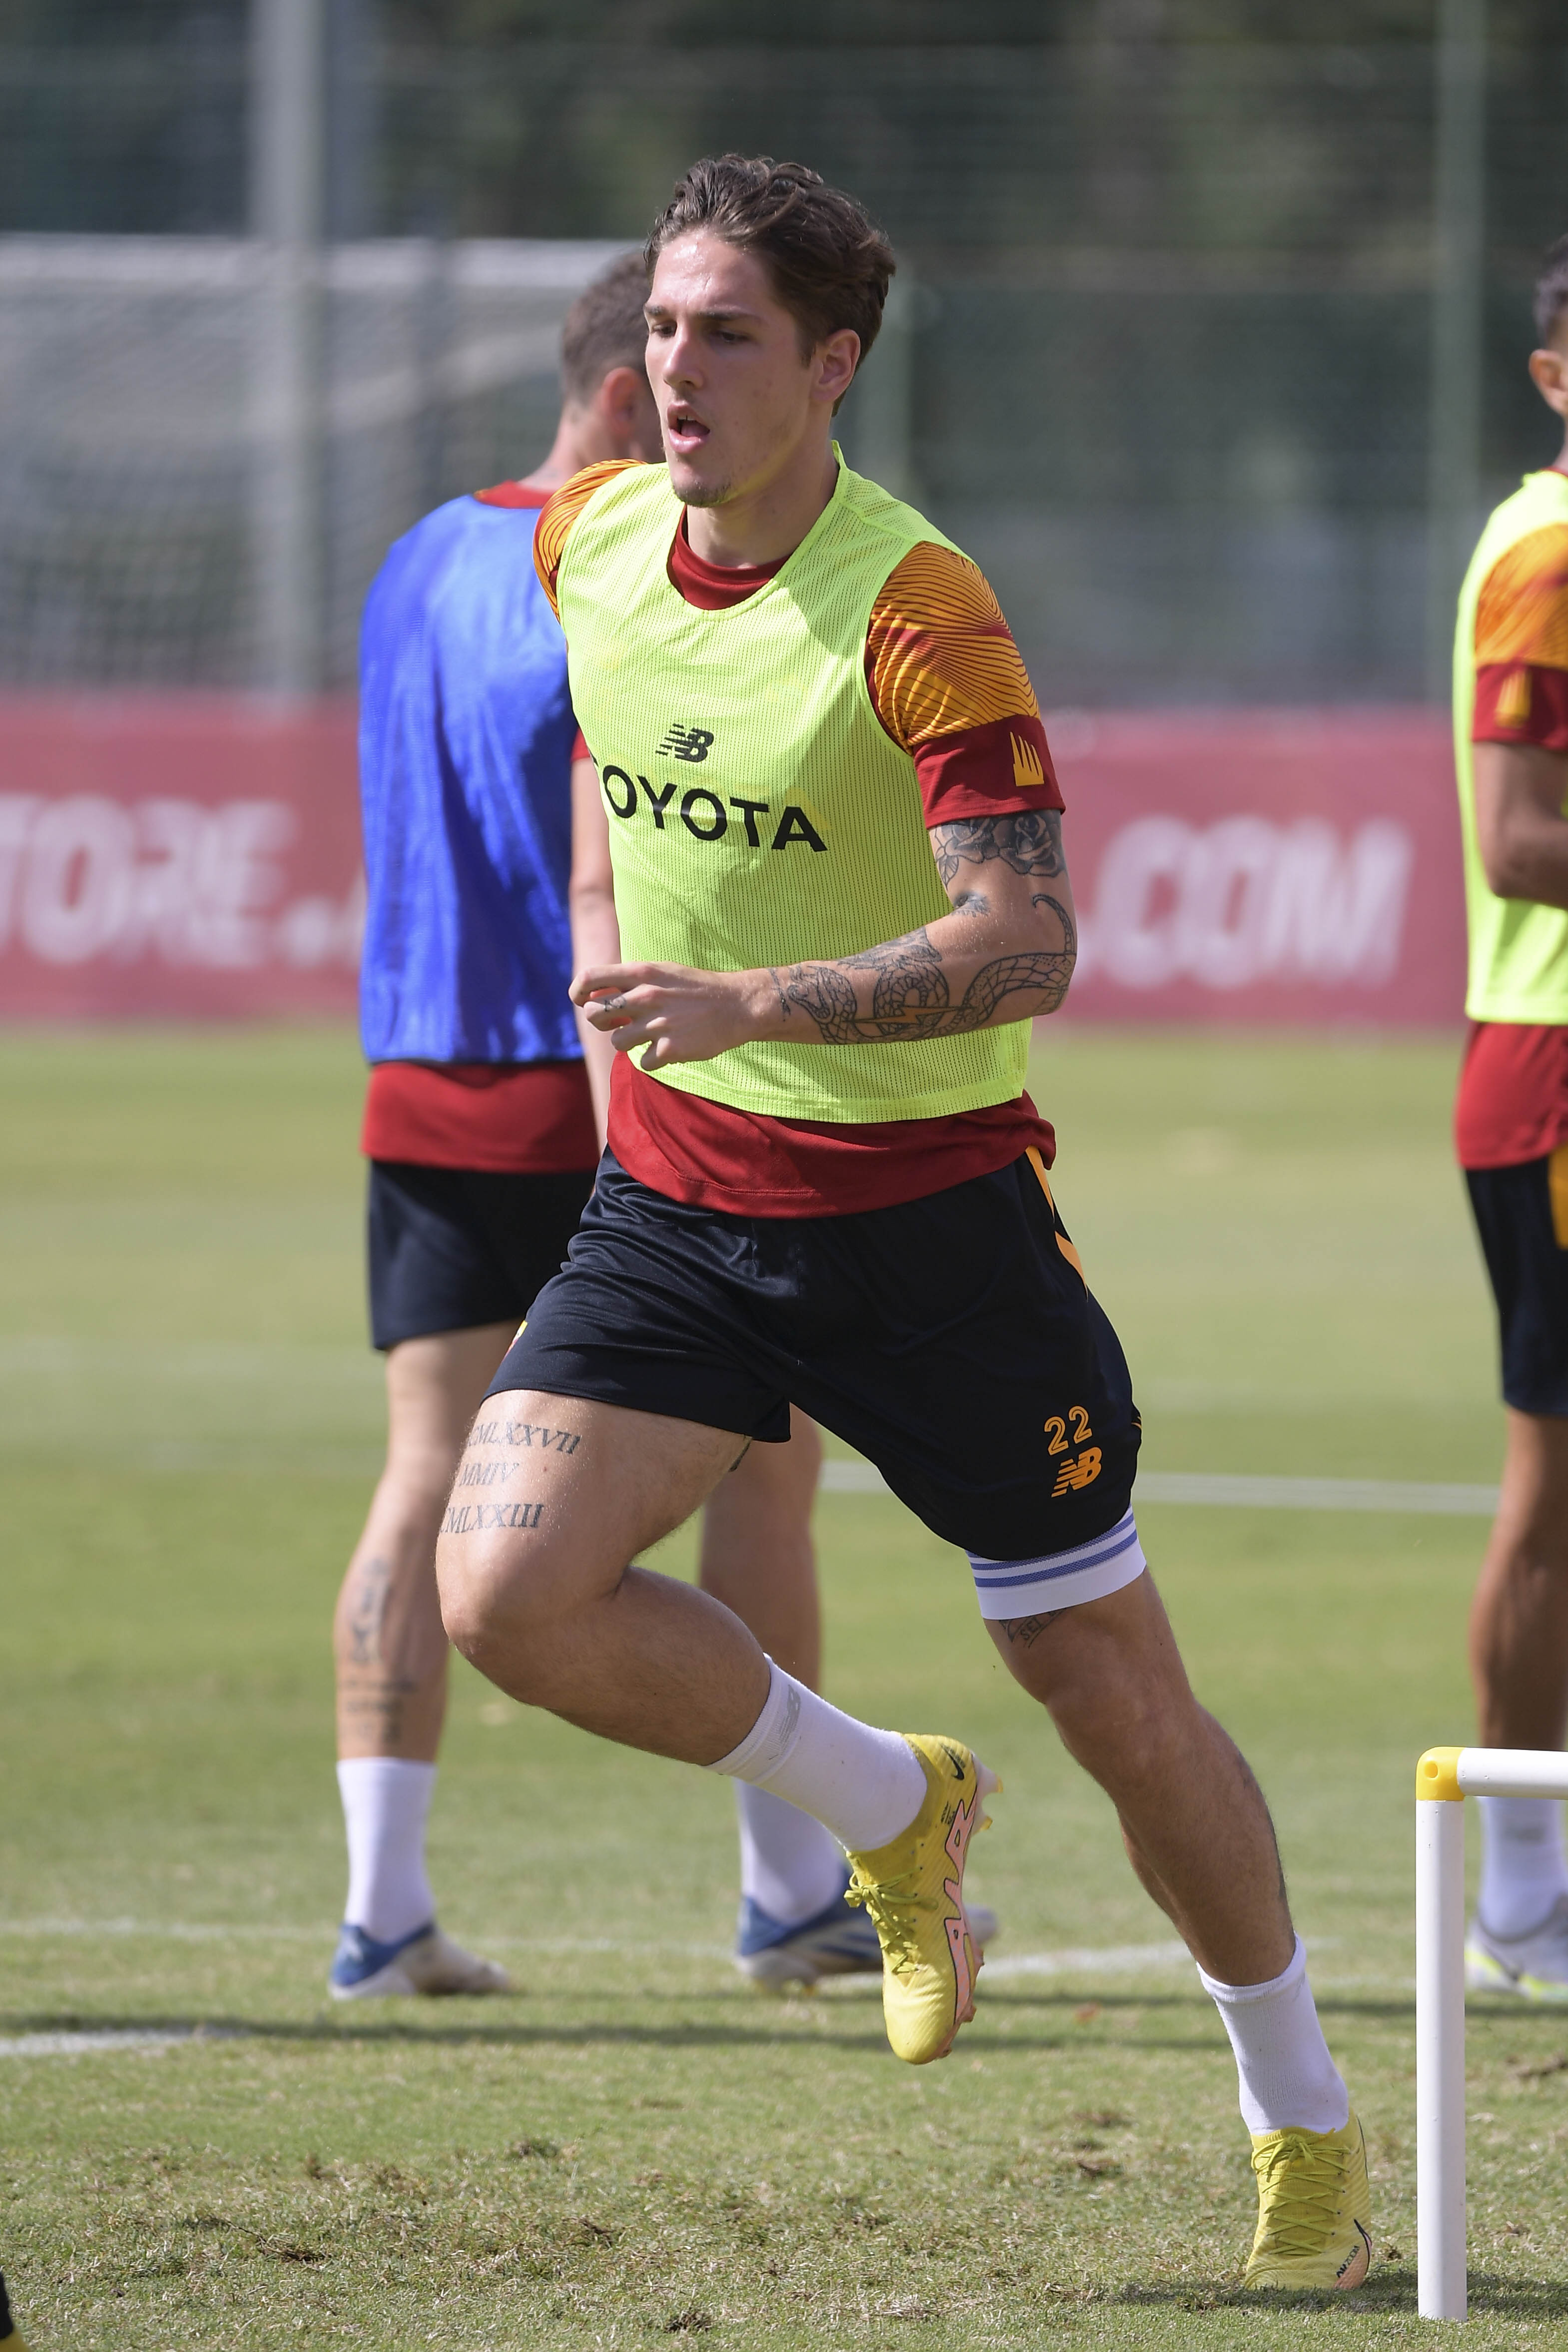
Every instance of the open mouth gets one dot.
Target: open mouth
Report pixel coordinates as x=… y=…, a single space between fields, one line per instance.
x=684 y=429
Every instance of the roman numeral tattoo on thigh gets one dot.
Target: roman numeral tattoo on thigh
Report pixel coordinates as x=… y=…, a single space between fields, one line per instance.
x=523 y=1433
x=481 y=1518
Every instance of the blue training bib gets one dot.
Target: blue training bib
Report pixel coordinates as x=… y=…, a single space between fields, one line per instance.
x=465 y=739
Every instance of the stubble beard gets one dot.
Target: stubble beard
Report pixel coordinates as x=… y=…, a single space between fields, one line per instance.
x=706 y=494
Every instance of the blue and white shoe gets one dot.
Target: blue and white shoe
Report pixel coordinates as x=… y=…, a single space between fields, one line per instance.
x=836 y=1942
x=425 y=1961
x=1535 y=1967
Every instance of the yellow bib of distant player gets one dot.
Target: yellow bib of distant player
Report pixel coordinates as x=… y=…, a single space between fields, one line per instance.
x=758 y=812
x=1519 y=949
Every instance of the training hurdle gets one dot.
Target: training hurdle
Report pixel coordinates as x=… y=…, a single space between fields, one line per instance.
x=1445 y=1777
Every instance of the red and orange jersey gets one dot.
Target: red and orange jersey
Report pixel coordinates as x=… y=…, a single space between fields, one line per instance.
x=1522 y=644
x=949 y=685
x=945 y=677
x=561 y=511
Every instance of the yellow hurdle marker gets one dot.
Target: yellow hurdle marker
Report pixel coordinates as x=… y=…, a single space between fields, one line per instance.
x=1445 y=1777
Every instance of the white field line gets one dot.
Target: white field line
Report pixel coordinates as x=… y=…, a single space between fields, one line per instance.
x=1112 y=1959
x=1247 y=1493
x=114 y=2038
x=180 y=1931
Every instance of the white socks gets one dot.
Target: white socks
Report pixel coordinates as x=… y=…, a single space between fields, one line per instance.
x=1523 y=1866
x=790 y=1866
x=1287 y=2078
x=863 y=1785
x=810 y=1775
x=385 y=1800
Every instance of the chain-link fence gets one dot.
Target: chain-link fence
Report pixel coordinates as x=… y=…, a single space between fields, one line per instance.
x=1166 y=355
x=143 y=463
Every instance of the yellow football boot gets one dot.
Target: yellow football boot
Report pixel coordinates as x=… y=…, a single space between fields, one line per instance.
x=913 y=1889
x=1314 y=2210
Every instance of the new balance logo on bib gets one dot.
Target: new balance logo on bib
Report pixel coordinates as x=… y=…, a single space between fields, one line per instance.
x=686 y=743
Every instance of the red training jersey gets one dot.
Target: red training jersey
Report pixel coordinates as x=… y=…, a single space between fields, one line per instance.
x=1513 y=1102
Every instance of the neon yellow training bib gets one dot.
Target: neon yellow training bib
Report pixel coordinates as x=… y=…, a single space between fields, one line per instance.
x=1519 y=948
x=759 y=813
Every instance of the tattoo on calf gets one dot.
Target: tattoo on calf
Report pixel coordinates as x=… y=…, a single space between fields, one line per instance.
x=376 y=1707
x=367 y=1609
x=1030 y=843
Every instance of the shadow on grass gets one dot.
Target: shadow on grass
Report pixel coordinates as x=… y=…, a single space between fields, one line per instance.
x=1390 y=2289
x=1013 y=1993
x=1061 y=2019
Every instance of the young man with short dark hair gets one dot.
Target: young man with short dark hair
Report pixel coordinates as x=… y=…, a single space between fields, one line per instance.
x=838 y=866
x=1510 y=718
x=482 y=1143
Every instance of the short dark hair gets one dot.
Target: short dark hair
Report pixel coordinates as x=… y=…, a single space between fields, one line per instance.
x=605 y=328
x=1551 y=291
x=829 y=261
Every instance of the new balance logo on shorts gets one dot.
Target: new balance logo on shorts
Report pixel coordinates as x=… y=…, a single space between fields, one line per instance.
x=686 y=743
x=1079 y=1473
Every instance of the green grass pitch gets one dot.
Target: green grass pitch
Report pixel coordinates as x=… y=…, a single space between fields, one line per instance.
x=637 y=2144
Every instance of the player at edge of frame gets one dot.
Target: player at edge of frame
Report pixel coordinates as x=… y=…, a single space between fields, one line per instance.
x=1510 y=1123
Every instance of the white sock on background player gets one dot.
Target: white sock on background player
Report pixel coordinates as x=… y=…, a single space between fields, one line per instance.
x=386 y=1801
x=790 y=1866
x=1524 y=1868
x=865 y=1786
x=1288 y=2079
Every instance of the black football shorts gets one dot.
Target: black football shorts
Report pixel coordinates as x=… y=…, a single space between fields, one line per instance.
x=450 y=1248
x=1521 y=1215
x=950 y=1339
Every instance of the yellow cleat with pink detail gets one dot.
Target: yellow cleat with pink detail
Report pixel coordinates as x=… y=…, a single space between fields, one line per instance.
x=913 y=1889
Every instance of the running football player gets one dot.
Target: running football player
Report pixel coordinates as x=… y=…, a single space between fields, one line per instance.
x=1510 y=718
x=838 y=861
x=482 y=1144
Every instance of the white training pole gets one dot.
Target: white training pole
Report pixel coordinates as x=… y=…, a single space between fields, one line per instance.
x=1440 y=2058
x=1445 y=1777
x=1511 y=1771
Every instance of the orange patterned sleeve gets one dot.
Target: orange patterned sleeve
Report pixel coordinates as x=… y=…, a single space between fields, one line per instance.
x=1522 y=644
x=561 y=511
x=949 y=685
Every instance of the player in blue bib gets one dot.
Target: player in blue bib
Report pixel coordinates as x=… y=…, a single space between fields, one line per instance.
x=480 y=1132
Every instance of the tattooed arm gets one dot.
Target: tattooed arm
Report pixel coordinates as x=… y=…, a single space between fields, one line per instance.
x=1005 y=953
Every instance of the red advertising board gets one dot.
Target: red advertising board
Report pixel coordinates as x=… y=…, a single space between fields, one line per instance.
x=186 y=856
x=1264 y=866
x=197 y=857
